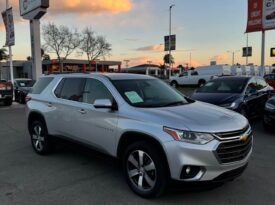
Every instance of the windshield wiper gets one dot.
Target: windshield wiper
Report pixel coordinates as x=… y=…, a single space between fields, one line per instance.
x=174 y=104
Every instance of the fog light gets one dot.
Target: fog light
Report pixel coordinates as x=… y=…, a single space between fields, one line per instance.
x=189 y=172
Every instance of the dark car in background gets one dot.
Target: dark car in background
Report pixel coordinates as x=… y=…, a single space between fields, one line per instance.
x=269 y=114
x=270 y=79
x=246 y=95
x=6 y=92
x=21 y=89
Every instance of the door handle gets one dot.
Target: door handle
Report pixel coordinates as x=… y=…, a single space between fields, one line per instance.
x=49 y=104
x=82 y=111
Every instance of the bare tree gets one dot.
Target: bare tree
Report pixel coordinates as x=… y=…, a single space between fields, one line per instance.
x=93 y=46
x=60 y=40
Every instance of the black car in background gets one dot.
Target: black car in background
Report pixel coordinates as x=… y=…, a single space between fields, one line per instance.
x=269 y=114
x=246 y=95
x=21 y=89
x=6 y=92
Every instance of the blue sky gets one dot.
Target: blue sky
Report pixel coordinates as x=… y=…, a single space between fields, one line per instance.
x=136 y=28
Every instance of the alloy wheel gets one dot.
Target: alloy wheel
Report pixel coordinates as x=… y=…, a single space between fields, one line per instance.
x=141 y=170
x=38 y=138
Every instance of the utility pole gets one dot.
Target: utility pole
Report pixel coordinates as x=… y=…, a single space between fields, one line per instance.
x=233 y=55
x=10 y=50
x=263 y=54
x=247 y=49
x=170 y=31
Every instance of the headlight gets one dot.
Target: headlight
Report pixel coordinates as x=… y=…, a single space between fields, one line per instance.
x=229 y=105
x=189 y=137
x=269 y=106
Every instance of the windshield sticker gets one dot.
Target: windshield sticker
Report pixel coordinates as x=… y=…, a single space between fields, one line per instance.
x=134 y=97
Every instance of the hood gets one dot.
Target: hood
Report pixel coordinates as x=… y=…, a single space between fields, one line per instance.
x=216 y=98
x=197 y=116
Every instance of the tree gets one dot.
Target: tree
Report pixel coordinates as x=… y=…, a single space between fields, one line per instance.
x=3 y=54
x=93 y=46
x=166 y=59
x=44 y=55
x=60 y=40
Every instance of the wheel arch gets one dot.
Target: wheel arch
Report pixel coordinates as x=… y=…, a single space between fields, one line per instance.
x=131 y=137
x=35 y=115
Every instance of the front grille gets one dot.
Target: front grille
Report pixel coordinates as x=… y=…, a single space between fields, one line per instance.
x=227 y=176
x=233 y=151
x=228 y=135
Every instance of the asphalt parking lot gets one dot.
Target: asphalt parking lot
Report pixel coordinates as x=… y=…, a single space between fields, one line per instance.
x=75 y=175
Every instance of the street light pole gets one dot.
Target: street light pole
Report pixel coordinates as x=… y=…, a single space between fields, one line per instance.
x=233 y=55
x=170 y=31
x=10 y=51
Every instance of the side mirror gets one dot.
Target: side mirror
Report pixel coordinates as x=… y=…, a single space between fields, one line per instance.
x=105 y=104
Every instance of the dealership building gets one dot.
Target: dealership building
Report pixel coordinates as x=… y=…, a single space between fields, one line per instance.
x=24 y=69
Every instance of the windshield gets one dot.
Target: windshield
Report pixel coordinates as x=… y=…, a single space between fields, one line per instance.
x=224 y=86
x=25 y=83
x=149 y=93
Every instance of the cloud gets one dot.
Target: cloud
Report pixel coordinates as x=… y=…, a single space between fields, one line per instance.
x=83 y=6
x=156 y=48
x=220 y=57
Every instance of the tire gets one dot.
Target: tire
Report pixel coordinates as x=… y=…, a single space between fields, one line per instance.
x=174 y=84
x=148 y=177
x=8 y=102
x=40 y=139
x=21 y=99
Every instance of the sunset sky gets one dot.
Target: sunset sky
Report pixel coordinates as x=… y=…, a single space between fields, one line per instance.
x=135 y=28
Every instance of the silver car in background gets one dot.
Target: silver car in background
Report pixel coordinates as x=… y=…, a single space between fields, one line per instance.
x=156 y=132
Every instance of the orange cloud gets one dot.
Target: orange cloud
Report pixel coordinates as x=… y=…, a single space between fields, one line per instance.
x=83 y=6
x=220 y=58
x=157 y=48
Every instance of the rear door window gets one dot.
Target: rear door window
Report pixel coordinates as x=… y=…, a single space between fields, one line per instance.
x=72 y=89
x=41 y=84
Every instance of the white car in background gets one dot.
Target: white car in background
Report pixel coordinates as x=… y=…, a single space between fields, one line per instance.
x=200 y=76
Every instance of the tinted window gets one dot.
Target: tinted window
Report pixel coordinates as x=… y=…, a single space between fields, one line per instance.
x=25 y=83
x=252 y=85
x=95 y=90
x=261 y=83
x=229 y=85
x=148 y=93
x=41 y=84
x=73 y=89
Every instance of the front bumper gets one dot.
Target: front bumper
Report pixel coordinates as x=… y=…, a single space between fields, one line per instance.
x=180 y=155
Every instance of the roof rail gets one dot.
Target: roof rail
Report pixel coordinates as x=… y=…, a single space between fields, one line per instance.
x=60 y=73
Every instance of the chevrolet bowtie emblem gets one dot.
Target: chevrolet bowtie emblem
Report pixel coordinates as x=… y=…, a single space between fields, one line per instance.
x=244 y=137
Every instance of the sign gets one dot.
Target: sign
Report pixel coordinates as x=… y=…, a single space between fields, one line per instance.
x=173 y=43
x=247 y=51
x=261 y=15
x=269 y=14
x=272 y=52
x=27 y=6
x=9 y=25
x=255 y=16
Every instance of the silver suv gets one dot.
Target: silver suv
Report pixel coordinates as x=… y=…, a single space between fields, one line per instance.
x=156 y=132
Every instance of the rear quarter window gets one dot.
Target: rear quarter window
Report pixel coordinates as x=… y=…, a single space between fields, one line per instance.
x=41 y=84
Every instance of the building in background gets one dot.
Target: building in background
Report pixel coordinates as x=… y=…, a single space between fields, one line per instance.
x=23 y=69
